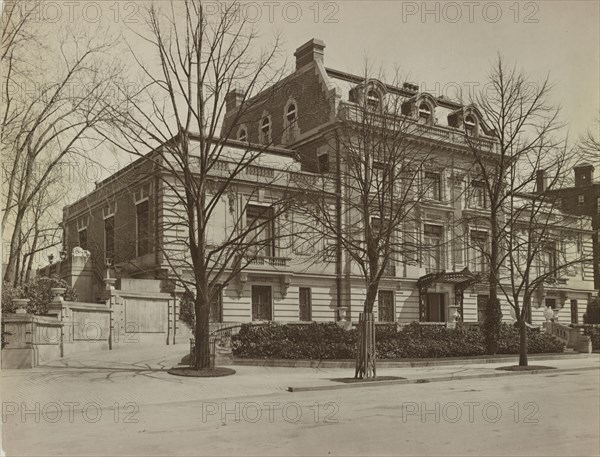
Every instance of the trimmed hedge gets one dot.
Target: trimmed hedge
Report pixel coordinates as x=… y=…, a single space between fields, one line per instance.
x=322 y=341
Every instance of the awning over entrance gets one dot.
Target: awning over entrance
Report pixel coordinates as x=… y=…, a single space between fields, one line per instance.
x=460 y=279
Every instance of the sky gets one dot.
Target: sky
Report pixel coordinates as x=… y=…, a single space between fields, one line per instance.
x=445 y=45
x=441 y=46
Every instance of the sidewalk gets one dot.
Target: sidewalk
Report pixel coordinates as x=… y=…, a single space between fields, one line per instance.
x=139 y=376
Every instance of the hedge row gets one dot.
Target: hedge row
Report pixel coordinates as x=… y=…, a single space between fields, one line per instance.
x=320 y=341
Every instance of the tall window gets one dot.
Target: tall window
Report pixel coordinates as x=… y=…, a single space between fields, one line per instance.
x=109 y=239
x=216 y=307
x=386 y=306
x=305 y=304
x=481 y=307
x=242 y=135
x=549 y=259
x=433 y=248
x=479 y=249
x=261 y=303
x=265 y=130
x=260 y=236
x=291 y=118
x=433 y=186
x=142 y=230
x=574 y=312
x=478 y=195
x=83 y=239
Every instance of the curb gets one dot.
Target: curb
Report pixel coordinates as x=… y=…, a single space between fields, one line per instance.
x=429 y=380
x=414 y=363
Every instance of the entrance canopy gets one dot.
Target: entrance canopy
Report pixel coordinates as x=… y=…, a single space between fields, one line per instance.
x=460 y=279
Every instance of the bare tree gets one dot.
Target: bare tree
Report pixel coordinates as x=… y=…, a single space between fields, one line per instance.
x=589 y=145
x=370 y=216
x=522 y=121
x=50 y=105
x=204 y=58
x=540 y=243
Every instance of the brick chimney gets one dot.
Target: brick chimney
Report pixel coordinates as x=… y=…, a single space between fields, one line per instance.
x=314 y=50
x=584 y=174
x=540 y=181
x=233 y=99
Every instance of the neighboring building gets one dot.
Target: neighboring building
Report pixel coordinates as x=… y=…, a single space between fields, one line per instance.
x=583 y=199
x=123 y=220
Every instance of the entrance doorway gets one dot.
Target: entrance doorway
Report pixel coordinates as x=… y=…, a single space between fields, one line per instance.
x=436 y=307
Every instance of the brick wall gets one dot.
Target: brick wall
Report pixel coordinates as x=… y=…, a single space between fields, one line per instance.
x=306 y=86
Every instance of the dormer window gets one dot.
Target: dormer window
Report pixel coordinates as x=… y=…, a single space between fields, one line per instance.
x=470 y=125
x=373 y=99
x=242 y=135
x=265 y=130
x=424 y=113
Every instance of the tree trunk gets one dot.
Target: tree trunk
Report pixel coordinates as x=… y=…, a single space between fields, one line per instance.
x=12 y=266
x=522 y=343
x=493 y=315
x=365 y=355
x=202 y=351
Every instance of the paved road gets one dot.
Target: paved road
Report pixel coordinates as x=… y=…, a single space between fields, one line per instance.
x=544 y=414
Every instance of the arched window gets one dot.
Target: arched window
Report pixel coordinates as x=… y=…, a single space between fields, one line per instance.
x=373 y=99
x=242 y=134
x=291 y=121
x=291 y=113
x=424 y=113
x=265 y=130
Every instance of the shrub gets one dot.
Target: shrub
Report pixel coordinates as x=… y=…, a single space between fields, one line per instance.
x=593 y=331
x=592 y=312
x=38 y=291
x=537 y=342
x=322 y=341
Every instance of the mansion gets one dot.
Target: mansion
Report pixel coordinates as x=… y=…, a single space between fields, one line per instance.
x=125 y=221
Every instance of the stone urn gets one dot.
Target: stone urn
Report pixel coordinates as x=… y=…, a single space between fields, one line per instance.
x=57 y=294
x=21 y=305
x=548 y=314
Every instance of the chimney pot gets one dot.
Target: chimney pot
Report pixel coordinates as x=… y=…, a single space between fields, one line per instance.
x=540 y=181
x=311 y=51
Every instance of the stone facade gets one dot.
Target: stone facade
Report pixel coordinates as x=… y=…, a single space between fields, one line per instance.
x=290 y=280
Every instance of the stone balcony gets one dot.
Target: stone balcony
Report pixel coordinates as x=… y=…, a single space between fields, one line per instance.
x=444 y=134
x=265 y=263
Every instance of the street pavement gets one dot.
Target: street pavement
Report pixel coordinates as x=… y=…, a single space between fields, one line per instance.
x=125 y=403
